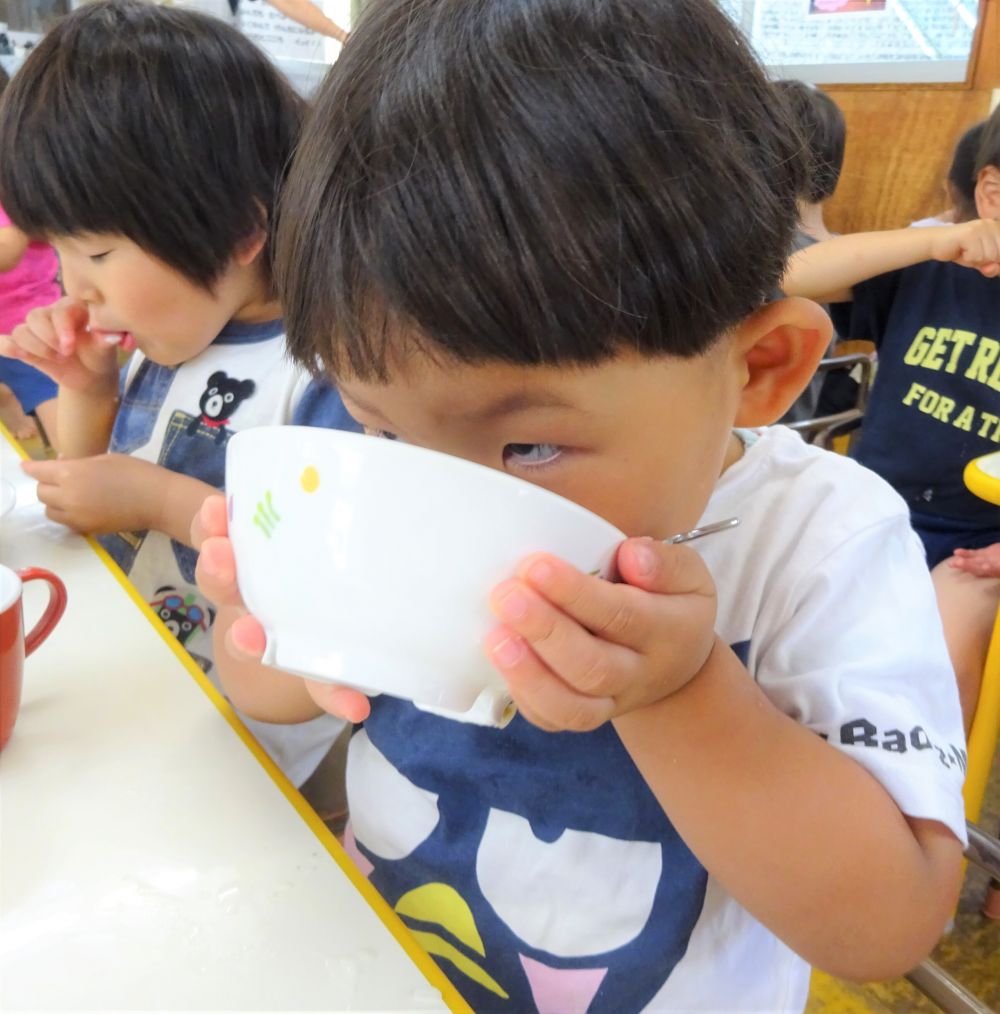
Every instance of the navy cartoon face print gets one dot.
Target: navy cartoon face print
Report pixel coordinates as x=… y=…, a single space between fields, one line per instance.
x=220 y=401
x=181 y=615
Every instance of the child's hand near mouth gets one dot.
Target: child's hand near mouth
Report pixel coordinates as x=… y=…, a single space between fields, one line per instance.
x=59 y=341
x=576 y=651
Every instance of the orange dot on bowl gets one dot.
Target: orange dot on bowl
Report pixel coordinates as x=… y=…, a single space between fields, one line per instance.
x=309 y=479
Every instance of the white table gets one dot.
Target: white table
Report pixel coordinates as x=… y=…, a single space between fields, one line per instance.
x=149 y=857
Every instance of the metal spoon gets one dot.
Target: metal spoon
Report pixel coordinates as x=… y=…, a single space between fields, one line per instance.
x=698 y=533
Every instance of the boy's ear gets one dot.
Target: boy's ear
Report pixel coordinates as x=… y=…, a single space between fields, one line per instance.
x=779 y=348
x=248 y=251
x=988 y=192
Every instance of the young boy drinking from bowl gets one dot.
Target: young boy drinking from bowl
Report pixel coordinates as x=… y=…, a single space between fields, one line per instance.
x=147 y=145
x=543 y=237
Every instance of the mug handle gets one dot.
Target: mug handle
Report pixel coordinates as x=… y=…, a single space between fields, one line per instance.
x=53 y=611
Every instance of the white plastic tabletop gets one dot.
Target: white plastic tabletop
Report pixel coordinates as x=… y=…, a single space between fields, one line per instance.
x=149 y=857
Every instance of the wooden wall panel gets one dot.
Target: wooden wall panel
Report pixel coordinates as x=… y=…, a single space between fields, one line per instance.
x=899 y=147
x=900 y=141
x=987 y=71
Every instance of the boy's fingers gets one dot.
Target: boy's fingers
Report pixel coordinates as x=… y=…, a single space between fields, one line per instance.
x=51 y=496
x=667 y=570
x=215 y=572
x=340 y=701
x=611 y=611
x=69 y=322
x=210 y=521
x=30 y=343
x=564 y=643
x=247 y=637
x=541 y=696
x=43 y=471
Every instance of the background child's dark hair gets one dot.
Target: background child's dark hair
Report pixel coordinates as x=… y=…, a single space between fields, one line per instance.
x=540 y=182
x=824 y=131
x=989 y=144
x=165 y=126
x=962 y=173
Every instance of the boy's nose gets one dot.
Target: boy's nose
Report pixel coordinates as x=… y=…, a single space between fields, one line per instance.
x=78 y=286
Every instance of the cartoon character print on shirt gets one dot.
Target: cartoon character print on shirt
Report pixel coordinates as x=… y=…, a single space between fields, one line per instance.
x=541 y=874
x=183 y=616
x=219 y=402
x=194 y=445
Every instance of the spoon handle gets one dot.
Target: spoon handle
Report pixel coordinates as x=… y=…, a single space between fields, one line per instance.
x=698 y=533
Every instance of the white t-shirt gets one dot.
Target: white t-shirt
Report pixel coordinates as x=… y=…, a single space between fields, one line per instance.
x=182 y=417
x=540 y=870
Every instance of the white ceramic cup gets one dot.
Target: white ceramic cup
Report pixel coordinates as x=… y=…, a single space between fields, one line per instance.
x=370 y=563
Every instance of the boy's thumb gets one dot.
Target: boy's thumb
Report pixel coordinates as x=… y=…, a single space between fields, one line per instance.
x=657 y=567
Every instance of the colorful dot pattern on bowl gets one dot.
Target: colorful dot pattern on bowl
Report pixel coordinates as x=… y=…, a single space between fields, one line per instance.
x=309 y=479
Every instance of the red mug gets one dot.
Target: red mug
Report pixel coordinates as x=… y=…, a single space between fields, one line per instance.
x=15 y=645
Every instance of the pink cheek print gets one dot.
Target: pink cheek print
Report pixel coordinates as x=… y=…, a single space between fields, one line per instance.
x=562 y=990
x=354 y=853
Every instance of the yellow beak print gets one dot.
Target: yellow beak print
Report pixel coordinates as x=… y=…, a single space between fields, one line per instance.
x=445 y=907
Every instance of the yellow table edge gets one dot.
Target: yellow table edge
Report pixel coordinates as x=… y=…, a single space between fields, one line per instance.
x=378 y=904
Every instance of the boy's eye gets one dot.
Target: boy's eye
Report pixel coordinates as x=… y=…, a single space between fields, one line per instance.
x=384 y=435
x=531 y=454
x=97 y=258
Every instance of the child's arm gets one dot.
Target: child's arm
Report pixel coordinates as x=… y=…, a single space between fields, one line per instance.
x=56 y=340
x=828 y=271
x=118 y=493
x=802 y=836
x=13 y=243
x=309 y=15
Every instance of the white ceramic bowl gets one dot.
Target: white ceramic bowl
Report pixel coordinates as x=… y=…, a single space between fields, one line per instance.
x=370 y=562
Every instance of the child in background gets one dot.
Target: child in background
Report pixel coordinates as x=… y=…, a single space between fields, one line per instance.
x=149 y=144
x=28 y=272
x=960 y=186
x=542 y=237
x=822 y=126
x=930 y=300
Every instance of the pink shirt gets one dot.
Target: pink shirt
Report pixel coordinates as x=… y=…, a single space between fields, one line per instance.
x=30 y=283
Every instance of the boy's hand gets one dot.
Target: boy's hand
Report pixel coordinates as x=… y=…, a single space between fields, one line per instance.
x=216 y=577
x=576 y=650
x=100 y=494
x=983 y=562
x=971 y=244
x=56 y=340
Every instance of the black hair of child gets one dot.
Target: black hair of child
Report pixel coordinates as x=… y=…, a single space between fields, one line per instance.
x=165 y=126
x=989 y=145
x=4 y=80
x=824 y=131
x=962 y=172
x=539 y=182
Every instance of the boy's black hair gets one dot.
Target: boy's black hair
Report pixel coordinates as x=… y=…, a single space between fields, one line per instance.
x=165 y=126
x=535 y=182
x=824 y=130
x=989 y=144
x=962 y=173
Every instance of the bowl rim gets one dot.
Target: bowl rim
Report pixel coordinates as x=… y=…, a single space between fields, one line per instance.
x=397 y=448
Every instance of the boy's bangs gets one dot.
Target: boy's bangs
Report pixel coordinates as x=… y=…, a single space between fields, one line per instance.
x=541 y=190
x=158 y=124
